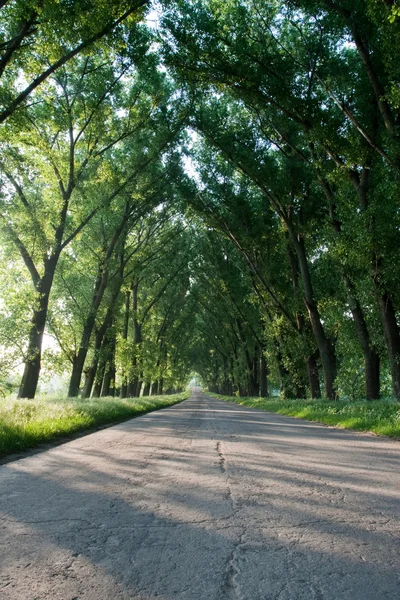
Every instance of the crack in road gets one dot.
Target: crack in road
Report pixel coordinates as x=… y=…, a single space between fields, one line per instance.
x=230 y=589
x=221 y=457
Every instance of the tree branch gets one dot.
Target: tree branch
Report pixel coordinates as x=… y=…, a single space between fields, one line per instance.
x=26 y=257
x=64 y=59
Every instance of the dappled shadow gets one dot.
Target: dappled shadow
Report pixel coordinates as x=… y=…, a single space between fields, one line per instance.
x=203 y=500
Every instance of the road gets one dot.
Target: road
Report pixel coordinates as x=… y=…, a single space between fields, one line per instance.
x=206 y=500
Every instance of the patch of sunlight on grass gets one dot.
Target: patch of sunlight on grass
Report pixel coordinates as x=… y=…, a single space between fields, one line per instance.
x=27 y=423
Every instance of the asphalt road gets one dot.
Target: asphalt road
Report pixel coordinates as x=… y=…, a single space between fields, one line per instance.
x=204 y=501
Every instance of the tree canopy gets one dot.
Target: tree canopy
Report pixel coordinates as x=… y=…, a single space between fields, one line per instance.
x=200 y=187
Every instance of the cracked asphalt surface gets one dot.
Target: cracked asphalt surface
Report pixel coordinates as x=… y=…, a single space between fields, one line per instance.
x=206 y=500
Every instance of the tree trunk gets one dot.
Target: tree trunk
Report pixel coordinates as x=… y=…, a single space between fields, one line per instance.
x=146 y=389
x=91 y=371
x=371 y=356
x=303 y=329
x=263 y=377
x=90 y=374
x=255 y=374
x=124 y=386
x=106 y=387
x=88 y=381
x=300 y=390
x=313 y=375
x=135 y=382
x=98 y=384
x=113 y=390
x=32 y=367
x=372 y=363
x=242 y=391
x=98 y=293
x=31 y=373
x=76 y=374
x=79 y=362
x=385 y=305
x=325 y=345
x=371 y=359
x=138 y=387
x=252 y=382
x=109 y=372
x=392 y=337
x=132 y=387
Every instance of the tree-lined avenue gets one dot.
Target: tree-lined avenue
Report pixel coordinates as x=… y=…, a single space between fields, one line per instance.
x=222 y=173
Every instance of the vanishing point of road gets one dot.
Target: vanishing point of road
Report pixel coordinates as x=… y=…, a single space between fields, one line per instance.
x=206 y=500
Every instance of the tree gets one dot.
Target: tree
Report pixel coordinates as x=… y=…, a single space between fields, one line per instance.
x=292 y=66
x=60 y=175
x=38 y=38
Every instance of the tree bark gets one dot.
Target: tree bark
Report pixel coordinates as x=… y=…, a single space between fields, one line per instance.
x=392 y=337
x=300 y=390
x=263 y=377
x=99 y=379
x=255 y=373
x=304 y=330
x=32 y=367
x=371 y=356
x=252 y=380
x=325 y=345
x=124 y=386
x=109 y=373
x=137 y=339
x=79 y=361
x=313 y=375
x=97 y=297
x=138 y=387
x=98 y=384
x=146 y=389
x=132 y=387
x=101 y=332
x=88 y=381
x=108 y=356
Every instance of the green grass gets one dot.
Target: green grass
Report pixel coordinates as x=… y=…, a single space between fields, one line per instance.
x=381 y=417
x=25 y=424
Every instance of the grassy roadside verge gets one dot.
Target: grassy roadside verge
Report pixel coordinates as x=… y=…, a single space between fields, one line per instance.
x=381 y=417
x=24 y=424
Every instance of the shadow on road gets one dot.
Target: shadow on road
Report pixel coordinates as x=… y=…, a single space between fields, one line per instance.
x=203 y=501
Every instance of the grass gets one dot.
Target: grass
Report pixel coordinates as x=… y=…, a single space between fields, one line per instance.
x=381 y=417
x=25 y=424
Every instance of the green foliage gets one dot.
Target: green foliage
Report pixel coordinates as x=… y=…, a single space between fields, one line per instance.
x=394 y=14
x=38 y=38
x=218 y=194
